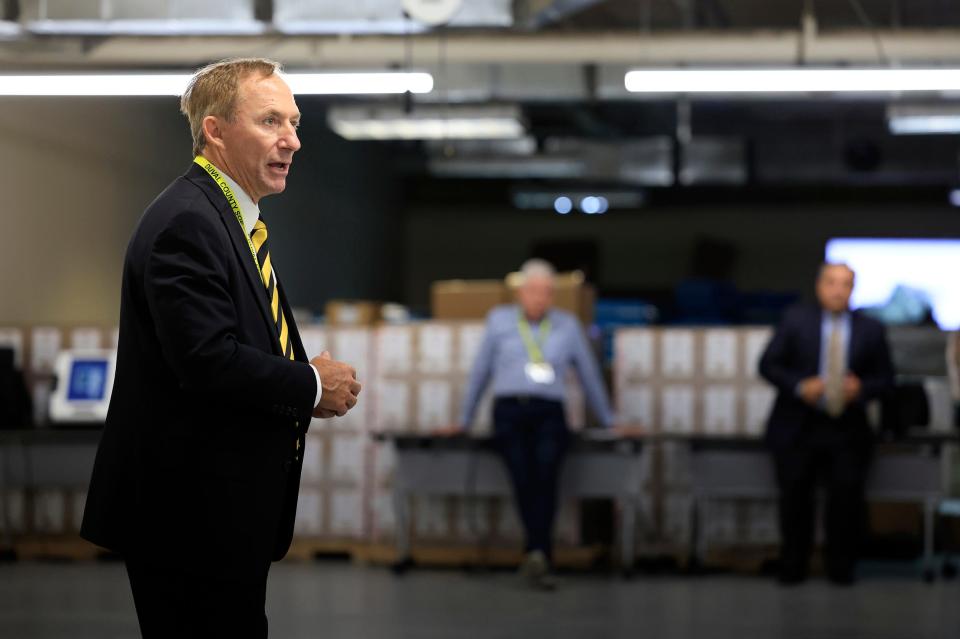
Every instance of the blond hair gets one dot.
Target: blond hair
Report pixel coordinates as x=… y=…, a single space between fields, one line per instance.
x=215 y=90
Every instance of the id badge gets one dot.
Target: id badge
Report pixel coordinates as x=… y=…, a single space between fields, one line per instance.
x=540 y=373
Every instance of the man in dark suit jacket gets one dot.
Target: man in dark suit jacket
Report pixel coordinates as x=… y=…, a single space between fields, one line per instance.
x=196 y=478
x=826 y=362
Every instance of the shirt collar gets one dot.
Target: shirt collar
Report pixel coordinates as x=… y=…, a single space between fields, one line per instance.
x=251 y=212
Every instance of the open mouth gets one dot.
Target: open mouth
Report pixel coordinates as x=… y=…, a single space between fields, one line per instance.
x=281 y=167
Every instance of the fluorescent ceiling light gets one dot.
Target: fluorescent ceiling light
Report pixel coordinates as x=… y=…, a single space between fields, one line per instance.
x=147 y=27
x=173 y=84
x=791 y=80
x=495 y=123
x=923 y=119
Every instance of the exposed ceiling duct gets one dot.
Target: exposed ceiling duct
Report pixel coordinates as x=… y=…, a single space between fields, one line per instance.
x=380 y=16
x=140 y=17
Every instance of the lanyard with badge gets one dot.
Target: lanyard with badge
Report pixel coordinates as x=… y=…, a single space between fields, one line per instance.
x=537 y=369
x=231 y=200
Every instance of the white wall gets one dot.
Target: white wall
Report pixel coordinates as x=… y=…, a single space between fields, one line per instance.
x=75 y=175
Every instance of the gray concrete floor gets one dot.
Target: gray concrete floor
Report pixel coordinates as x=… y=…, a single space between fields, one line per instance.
x=331 y=600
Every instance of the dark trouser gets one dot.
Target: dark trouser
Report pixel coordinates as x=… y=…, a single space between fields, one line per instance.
x=172 y=601
x=829 y=450
x=531 y=434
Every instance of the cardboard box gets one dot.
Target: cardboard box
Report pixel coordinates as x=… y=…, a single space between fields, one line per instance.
x=466 y=299
x=352 y=312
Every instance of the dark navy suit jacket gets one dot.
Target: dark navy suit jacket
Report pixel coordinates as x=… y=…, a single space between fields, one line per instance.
x=794 y=354
x=202 y=448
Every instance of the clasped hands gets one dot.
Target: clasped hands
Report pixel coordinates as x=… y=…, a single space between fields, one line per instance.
x=339 y=387
x=812 y=389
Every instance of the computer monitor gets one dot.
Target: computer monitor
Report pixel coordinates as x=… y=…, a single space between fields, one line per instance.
x=903 y=281
x=84 y=384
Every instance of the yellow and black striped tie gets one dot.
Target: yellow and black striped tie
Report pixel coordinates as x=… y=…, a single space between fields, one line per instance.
x=259 y=237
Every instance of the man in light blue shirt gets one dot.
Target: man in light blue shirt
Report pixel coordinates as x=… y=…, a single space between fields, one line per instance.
x=526 y=353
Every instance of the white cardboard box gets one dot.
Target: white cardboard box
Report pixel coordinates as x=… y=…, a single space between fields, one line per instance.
x=434 y=404
x=720 y=354
x=309 y=520
x=758 y=402
x=720 y=410
x=755 y=341
x=435 y=348
x=347 y=457
x=86 y=338
x=13 y=517
x=636 y=405
x=677 y=409
x=45 y=343
x=471 y=336
x=313 y=470
x=394 y=350
x=346 y=512
x=635 y=354
x=677 y=353
x=49 y=512
x=393 y=405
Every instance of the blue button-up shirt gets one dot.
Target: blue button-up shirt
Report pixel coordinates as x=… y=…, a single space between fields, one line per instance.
x=503 y=355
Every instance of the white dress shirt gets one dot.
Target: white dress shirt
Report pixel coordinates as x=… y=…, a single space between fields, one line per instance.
x=251 y=213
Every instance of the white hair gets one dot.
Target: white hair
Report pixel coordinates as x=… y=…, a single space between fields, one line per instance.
x=536 y=268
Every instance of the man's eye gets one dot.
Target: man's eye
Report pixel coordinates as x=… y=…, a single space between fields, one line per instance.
x=271 y=121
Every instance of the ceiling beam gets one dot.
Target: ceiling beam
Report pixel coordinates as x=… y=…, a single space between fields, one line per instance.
x=918 y=47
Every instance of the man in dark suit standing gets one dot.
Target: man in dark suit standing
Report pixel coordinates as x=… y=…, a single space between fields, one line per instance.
x=826 y=362
x=196 y=478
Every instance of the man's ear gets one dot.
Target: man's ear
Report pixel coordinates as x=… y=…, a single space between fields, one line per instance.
x=213 y=131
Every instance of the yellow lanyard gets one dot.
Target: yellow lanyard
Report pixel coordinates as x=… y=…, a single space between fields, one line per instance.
x=534 y=349
x=232 y=201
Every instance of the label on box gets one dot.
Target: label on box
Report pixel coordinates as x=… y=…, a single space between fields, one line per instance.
x=677 y=409
x=635 y=353
x=720 y=410
x=720 y=354
x=677 y=354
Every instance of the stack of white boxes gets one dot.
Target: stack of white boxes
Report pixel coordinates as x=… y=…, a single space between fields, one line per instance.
x=694 y=381
x=332 y=503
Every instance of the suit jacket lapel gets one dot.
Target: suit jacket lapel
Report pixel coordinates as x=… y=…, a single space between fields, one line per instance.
x=237 y=234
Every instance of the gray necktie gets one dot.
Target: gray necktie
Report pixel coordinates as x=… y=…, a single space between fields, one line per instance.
x=835 y=372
